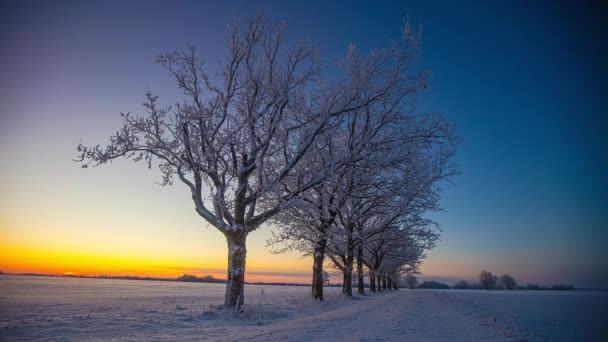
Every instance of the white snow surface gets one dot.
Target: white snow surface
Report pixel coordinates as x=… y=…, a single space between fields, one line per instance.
x=79 y=309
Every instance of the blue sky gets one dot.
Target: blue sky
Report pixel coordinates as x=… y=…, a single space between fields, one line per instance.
x=522 y=81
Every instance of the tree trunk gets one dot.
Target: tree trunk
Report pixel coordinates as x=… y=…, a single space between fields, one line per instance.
x=317 y=270
x=235 y=281
x=389 y=283
x=360 y=287
x=379 y=283
x=347 y=285
x=347 y=288
x=384 y=282
x=372 y=281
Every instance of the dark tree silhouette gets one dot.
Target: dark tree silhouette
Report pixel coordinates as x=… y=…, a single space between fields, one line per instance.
x=507 y=281
x=487 y=280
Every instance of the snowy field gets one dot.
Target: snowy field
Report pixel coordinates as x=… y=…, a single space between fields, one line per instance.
x=72 y=309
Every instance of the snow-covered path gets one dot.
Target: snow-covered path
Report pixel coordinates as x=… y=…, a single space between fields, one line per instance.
x=393 y=316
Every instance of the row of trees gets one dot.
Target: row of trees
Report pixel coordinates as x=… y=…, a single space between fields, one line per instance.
x=345 y=167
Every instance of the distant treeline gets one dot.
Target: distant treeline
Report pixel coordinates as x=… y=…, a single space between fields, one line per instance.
x=487 y=281
x=103 y=276
x=185 y=278
x=491 y=282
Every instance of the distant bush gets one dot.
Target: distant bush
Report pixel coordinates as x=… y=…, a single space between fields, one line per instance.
x=562 y=287
x=507 y=282
x=431 y=284
x=535 y=287
x=204 y=279
x=462 y=285
x=487 y=280
x=187 y=277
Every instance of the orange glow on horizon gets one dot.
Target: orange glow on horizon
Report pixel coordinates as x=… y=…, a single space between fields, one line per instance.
x=95 y=252
x=16 y=258
x=53 y=262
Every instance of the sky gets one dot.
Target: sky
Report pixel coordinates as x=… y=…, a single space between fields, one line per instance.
x=523 y=82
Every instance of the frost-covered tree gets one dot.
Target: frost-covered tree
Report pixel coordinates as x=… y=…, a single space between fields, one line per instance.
x=343 y=243
x=410 y=281
x=363 y=148
x=306 y=227
x=395 y=181
x=401 y=254
x=239 y=139
x=398 y=249
x=507 y=281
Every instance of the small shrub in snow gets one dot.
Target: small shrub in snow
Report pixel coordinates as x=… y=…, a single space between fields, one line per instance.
x=461 y=285
x=431 y=284
x=562 y=287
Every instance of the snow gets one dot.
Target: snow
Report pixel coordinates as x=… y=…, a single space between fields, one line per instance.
x=550 y=315
x=78 y=309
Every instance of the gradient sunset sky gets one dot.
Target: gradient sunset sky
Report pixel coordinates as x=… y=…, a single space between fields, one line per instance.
x=524 y=83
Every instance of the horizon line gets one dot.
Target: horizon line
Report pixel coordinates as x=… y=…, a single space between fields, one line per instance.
x=221 y=280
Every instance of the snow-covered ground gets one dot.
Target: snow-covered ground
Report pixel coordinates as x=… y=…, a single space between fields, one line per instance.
x=49 y=308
